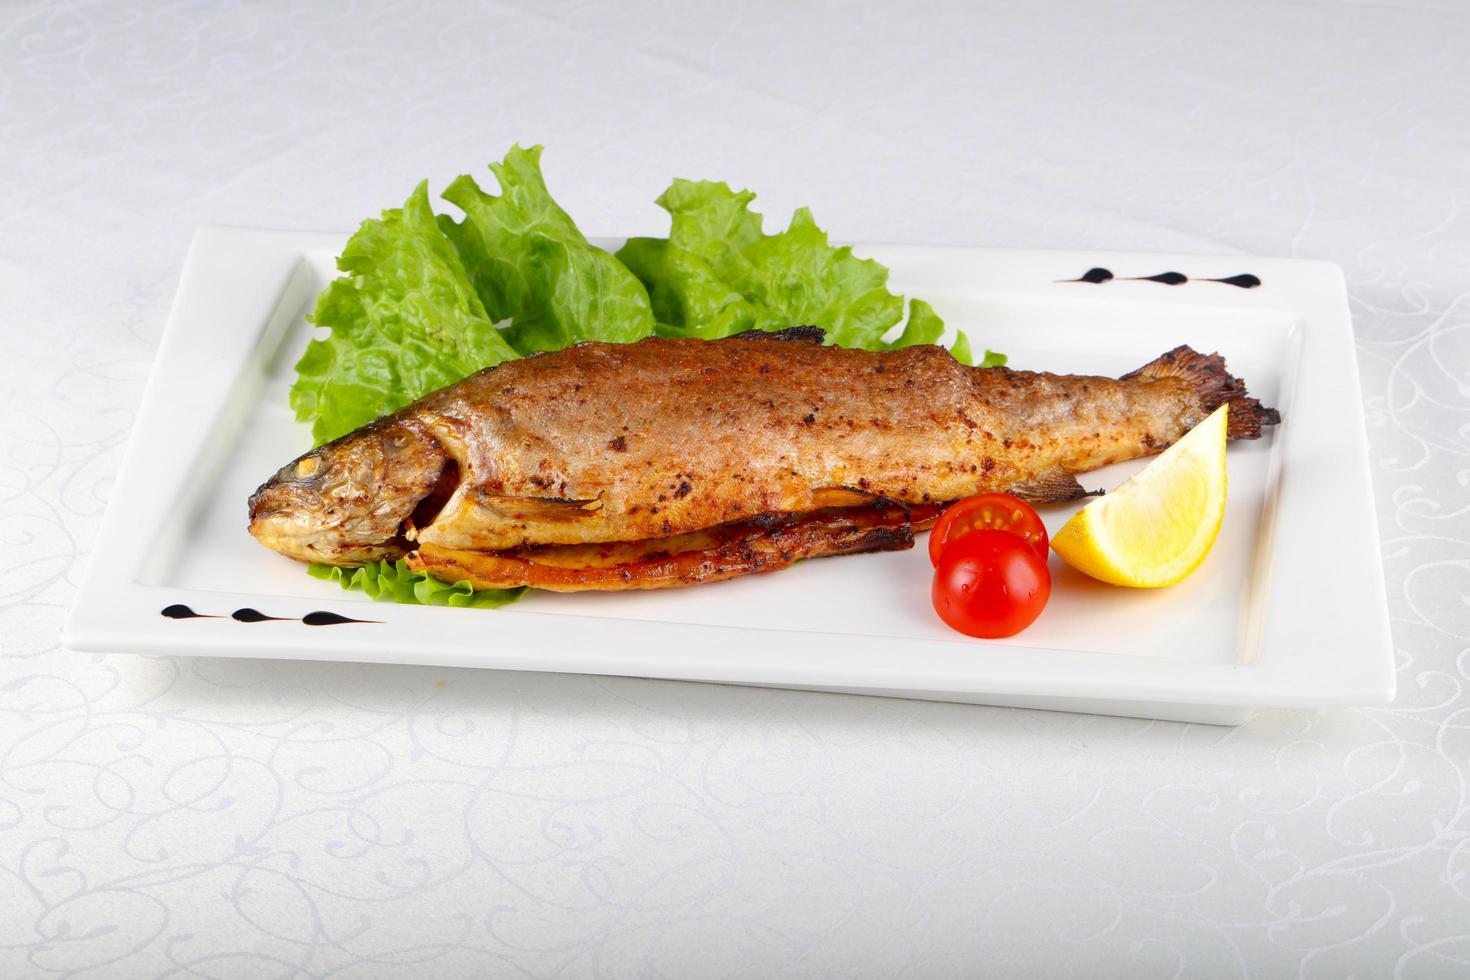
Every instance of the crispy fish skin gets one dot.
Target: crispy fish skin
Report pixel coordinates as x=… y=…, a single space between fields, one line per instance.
x=621 y=442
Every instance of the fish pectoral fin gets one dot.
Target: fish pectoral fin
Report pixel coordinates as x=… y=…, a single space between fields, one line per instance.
x=539 y=508
x=470 y=516
x=1054 y=487
x=842 y=497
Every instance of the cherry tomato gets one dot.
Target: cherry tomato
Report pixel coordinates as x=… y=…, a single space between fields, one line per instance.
x=999 y=511
x=990 y=584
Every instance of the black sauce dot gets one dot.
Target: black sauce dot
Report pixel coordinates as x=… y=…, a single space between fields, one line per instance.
x=248 y=615
x=180 y=611
x=1095 y=276
x=1167 y=278
x=1244 y=281
x=321 y=618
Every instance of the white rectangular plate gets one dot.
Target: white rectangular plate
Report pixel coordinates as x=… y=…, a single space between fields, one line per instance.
x=1287 y=610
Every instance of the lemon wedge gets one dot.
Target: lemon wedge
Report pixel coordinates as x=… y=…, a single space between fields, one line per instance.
x=1158 y=527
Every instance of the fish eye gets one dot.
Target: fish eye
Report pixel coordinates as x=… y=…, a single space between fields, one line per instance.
x=306 y=467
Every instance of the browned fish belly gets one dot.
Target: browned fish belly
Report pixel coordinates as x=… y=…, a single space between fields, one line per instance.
x=714 y=449
x=766 y=544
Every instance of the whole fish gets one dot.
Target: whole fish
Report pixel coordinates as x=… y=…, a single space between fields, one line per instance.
x=673 y=461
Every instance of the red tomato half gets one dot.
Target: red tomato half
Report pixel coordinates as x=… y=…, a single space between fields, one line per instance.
x=990 y=584
x=998 y=511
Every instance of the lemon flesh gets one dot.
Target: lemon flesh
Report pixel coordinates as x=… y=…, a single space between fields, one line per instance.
x=1158 y=527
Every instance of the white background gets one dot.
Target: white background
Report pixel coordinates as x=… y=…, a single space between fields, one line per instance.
x=243 y=819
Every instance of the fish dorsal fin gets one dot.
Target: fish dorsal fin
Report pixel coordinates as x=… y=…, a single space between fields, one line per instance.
x=795 y=335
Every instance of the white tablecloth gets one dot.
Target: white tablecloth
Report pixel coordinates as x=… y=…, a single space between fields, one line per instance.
x=206 y=818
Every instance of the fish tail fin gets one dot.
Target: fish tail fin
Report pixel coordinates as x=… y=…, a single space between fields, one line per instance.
x=1216 y=386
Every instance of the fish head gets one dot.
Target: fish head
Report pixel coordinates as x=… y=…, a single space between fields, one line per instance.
x=353 y=500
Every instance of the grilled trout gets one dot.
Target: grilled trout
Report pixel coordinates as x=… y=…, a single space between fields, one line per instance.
x=671 y=462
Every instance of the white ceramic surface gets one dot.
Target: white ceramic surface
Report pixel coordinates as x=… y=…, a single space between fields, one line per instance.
x=216 y=424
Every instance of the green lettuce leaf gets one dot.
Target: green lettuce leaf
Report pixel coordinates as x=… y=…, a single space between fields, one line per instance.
x=962 y=353
x=404 y=320
x=689 y=299
x=710 y=220
x=530 y=265
x=718 y=273
x=424 y=300
x=387 y=581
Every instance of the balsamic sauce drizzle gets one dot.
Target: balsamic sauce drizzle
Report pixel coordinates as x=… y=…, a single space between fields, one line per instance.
x=1167 y=278
x=1098 y=275
x=181 y=611
x=247 y=615
x=1245 y=281
x=323 y=618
